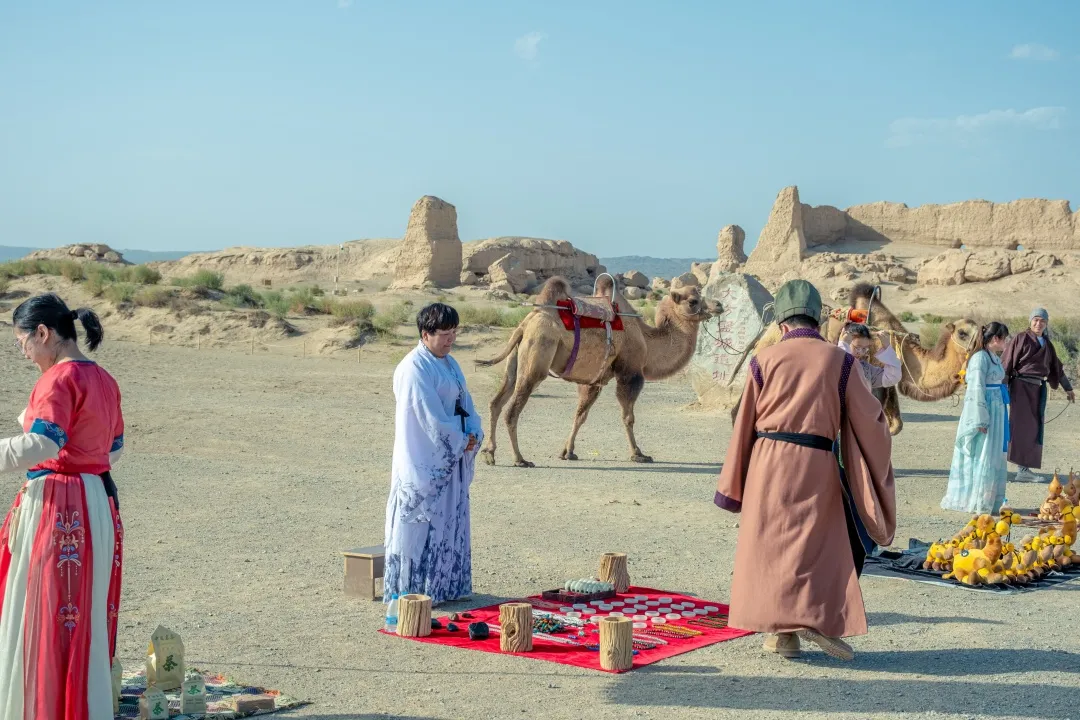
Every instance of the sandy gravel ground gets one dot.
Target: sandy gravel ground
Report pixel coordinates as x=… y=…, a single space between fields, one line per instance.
x=245 y=477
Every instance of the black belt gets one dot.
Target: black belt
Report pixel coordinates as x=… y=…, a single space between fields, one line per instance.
x=816 y=442
x=860 y=541
x=110 y=488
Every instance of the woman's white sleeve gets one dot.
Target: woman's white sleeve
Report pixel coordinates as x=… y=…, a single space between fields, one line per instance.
x=25 y=451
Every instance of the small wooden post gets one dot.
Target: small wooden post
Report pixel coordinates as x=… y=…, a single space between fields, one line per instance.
x=252 y=344
x=305 y=349
x=613 y=570
x=414 y=616
x=151 y=337
x=357 y=356
x=516 y=621
x=616 y=643
x=198 y=342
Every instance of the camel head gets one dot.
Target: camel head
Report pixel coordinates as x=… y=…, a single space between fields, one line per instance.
x=936 y=375
x=687 y=305
x=965 y=335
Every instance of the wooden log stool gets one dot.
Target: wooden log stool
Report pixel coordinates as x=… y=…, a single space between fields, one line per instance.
x=616 y=643
x=414 y=615
x=516 y=626
x=364 y=571
x=613 y=570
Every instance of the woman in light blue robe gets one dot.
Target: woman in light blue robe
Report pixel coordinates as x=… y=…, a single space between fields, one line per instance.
x=979 y=471
x=437 y=433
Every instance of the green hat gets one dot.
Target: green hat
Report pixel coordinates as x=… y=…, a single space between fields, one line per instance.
x=796 y=297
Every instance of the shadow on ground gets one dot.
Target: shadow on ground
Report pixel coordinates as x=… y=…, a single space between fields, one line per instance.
x=653 y=467
x=709 y=690
x=928 y=417
x=889 y=618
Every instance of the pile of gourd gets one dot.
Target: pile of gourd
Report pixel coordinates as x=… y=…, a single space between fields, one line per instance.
x=1060 y=499
x=982 y=554
x=587 y=586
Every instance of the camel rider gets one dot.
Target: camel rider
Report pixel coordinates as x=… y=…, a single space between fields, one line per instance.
x=886 y=372
x=796 y=558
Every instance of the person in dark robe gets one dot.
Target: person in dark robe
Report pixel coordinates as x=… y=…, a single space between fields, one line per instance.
x=1031 y=364
x=796 y=561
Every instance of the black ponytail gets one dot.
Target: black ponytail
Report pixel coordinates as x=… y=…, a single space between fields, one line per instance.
x=52 y=312
x=91 y=327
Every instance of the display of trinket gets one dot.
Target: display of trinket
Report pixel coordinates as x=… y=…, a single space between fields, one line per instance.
x=193 y=695
x=153 y=705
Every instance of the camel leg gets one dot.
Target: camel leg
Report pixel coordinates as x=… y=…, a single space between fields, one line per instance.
x=627 y=391
x=496 y=406
x=587 y=395
x=532 y=371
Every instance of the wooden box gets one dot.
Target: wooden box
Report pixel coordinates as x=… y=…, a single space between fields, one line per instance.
x=570 y=597
x=364 y=572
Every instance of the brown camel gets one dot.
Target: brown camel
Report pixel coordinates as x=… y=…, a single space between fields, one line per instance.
x=928 y=374
x=541 y=344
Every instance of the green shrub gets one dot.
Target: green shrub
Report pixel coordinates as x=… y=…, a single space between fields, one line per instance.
x=4 y=280
x=95 y=285
x=99 y=274
x=275 y=303
x=386 y=322
x=472 y=316
x=513 y=318
x=73 y=271
x=242 y=296
x=908 y=317
x=933 y=319
x=119 y=293
x=152 y=296
x=202 y=280
x=352 y=310
x=138 y=274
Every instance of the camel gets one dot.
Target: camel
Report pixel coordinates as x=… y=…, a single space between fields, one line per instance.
x=541 y=345
x=928 y=374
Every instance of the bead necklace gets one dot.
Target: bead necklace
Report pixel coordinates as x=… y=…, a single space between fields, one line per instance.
x=673 y=631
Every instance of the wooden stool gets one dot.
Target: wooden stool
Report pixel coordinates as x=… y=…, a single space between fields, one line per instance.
x=364 y=571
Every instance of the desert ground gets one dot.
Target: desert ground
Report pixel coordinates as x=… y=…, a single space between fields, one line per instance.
x=245 y=475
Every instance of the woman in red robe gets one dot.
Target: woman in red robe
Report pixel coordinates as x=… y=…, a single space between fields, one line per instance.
x=1031 y=363
x=61 y=544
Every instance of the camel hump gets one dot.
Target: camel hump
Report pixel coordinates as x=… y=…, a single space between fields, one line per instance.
x=862 y=291
x=556 y=288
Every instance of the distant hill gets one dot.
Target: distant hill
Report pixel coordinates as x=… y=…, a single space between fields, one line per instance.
x=652 y=267
x=133 y=256
x=14 y=253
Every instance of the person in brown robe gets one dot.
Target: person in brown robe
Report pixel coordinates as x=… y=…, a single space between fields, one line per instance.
x=795 y=564
x=1031 y=362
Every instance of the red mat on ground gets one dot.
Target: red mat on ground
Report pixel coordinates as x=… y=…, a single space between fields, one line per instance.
x=579 y=656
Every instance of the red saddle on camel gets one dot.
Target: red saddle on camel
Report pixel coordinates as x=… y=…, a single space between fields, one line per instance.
x=589 y=313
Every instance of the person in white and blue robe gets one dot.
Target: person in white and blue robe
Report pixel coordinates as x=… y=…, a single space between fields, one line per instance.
x=437 y=434
x=979 y=469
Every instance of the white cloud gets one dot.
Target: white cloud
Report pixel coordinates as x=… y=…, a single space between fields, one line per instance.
x=344 y=4
x=527 y=47
x=1033 y=51
x=963 y=128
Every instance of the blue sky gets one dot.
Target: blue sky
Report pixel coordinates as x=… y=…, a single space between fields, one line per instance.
x=625 y=127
